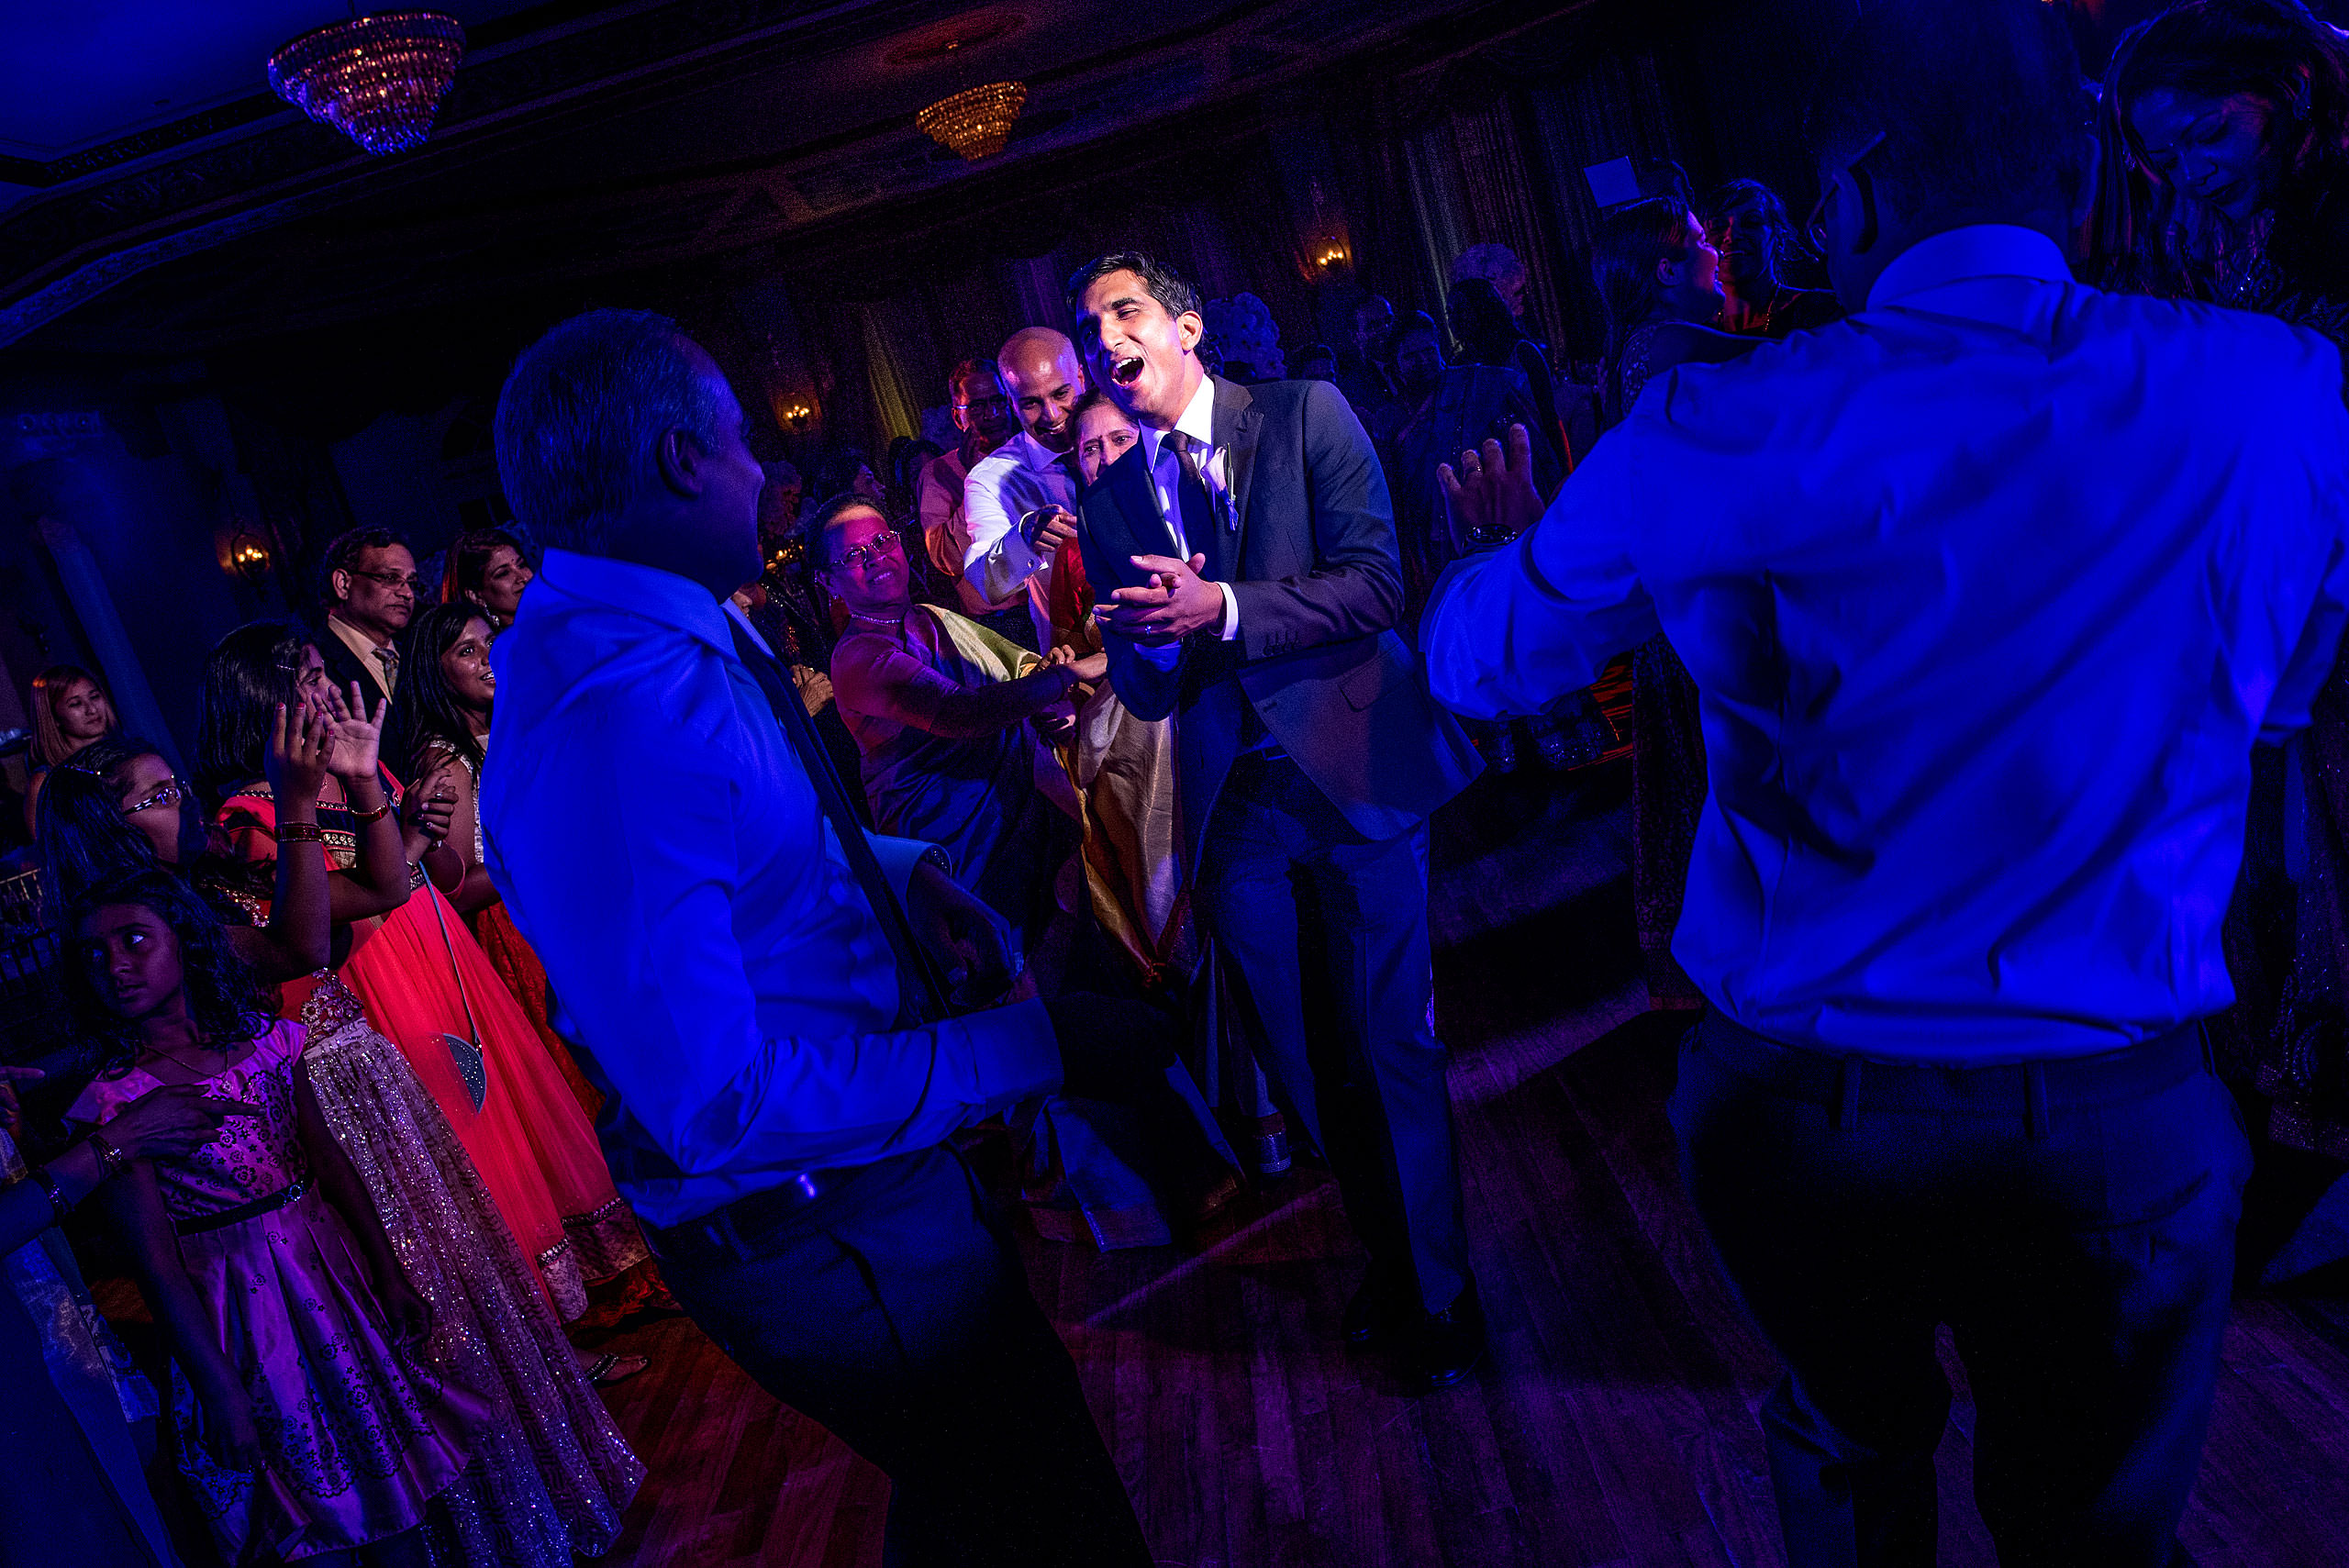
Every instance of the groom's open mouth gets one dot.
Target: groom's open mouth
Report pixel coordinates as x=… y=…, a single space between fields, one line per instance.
x=1126 y=372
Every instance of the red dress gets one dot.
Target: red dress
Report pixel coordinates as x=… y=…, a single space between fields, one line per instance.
x=427 y=988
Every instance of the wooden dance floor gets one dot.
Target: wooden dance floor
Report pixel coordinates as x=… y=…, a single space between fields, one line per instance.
x=1613 y=1422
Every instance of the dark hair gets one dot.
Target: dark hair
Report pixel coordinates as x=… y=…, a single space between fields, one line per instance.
x=467 y=568
x=1786 y=243
x=818 y=522
x=424 y=709
x=1312 y=352
x=2272 y=49
x=1980 y=106
x=83 y=838
x=48 y=688
x=580 y=414
x=1169 y=289
x=223 y=998
x=1481 y=320
x=1630 y=243
x=986 y=368
x=908 y=455
x=1093 y=398
x=246 y=675
x=1388 y=349
x=342 y=553
x=834 y=473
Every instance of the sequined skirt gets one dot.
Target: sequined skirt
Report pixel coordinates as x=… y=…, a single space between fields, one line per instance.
x=551 y=1476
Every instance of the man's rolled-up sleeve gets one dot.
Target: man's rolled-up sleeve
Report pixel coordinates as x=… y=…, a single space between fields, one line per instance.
x=1507 y=632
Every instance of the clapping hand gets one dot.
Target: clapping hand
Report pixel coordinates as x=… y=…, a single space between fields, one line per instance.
x=428 y=810
x=1174 y=603
x=1492 y=495
x=301 y=747
x=357 y=734
x=1054 y=527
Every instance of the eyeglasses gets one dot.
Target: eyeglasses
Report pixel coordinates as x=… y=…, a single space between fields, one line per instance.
x=863 y=555
x=170 y=794
x=982 y=405
x=1814 y=228
x=414 y=584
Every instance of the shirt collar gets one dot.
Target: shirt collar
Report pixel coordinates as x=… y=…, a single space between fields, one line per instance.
x=660 y=596
x=1197 y=422
x=357 y=641
x=1034 y=454
x=1977 y=250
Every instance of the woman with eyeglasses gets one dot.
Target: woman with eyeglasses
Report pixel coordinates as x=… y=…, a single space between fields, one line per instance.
x=70 y=710
x=412 y=963
x=117 y=807
x=949 y=717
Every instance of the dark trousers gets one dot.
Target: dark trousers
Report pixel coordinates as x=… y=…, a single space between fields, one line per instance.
x=893 y=1311
x=2073 y=1223
x=1328 y=931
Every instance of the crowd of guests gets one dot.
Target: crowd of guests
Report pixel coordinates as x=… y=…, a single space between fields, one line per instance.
x=1071 y=787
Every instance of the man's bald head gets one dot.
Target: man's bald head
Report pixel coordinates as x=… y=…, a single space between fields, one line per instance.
x=1046 y=378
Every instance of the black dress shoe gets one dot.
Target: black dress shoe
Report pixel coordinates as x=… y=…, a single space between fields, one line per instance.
x=1444 y=1346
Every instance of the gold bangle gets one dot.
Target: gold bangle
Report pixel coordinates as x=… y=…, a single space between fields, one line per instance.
x=363 y=818
x=300 y=833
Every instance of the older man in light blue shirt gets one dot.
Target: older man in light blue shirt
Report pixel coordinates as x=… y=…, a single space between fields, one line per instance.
x=727 y=965
x=1986 y=592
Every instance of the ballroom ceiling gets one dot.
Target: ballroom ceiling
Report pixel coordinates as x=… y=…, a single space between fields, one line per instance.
x=161 y=204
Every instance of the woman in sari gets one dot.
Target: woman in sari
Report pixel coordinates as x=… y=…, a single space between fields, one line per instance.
x=413 y=966
x=941 y=710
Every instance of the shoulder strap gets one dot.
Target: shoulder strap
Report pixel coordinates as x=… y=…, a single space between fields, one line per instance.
x=922 y=998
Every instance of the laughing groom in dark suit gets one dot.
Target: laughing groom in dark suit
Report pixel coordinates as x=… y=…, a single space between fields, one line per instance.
x=1250 y=543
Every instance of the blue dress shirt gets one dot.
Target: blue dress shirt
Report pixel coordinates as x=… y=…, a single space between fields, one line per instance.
x=1988 y=592
x=656 y=839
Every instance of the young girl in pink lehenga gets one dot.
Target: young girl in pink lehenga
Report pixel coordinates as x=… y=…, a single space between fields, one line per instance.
x=325 y=1433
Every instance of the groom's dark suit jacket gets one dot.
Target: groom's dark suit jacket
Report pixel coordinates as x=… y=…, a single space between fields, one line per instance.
x=1308 y=548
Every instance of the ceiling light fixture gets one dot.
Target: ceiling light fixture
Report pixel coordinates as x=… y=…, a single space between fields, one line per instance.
x=378 y=80
x=975 y=122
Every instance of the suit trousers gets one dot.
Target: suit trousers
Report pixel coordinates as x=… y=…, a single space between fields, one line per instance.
x=2070 y=1221
x=1328 y=931
x=893 y=1310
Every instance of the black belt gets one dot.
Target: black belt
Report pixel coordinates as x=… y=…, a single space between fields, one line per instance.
x=196 y=1225
x=1845 y=1084
x=734 y=1231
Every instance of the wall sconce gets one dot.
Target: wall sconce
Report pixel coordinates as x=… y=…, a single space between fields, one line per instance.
x=250 y=558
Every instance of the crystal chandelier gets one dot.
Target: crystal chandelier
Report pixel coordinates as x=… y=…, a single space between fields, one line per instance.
x=975 y=122
x=378 y=80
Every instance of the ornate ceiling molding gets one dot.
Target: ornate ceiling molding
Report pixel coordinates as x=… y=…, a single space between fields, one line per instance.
x=62 y=251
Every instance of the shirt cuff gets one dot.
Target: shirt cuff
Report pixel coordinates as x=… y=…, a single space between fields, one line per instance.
x=1014 y=1054
x=899 y=856
x=1230 y=612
